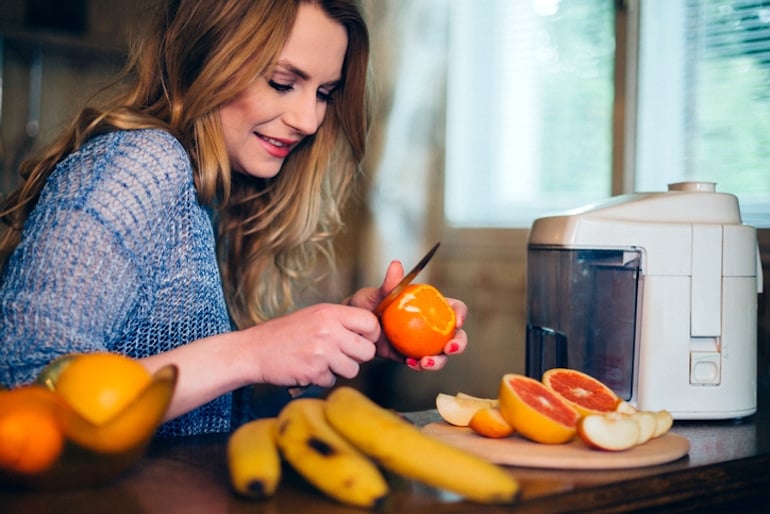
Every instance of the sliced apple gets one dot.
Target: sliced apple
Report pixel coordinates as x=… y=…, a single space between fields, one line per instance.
x=493 y=401
x=610 y=431
x=664 y=420
x=624 y=407
x=457 y=410
x=647 y=425
x=489 y=422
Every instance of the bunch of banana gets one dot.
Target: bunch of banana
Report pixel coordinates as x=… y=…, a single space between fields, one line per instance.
x=336 y=444
x=321 y=455
x=401 y=447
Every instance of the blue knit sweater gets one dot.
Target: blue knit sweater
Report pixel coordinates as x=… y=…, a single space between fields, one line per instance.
x=117 y=255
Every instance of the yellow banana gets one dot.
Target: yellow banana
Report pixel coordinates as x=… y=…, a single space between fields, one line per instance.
x=402 y=448
x=253 y=459
x=325 y=458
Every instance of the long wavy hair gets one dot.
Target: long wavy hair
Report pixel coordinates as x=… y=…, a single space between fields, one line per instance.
x=199 y=55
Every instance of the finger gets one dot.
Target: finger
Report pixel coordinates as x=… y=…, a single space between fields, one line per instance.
x=457 y=344
x=360 y=322
x=358 y=348
x=345 y=367
x=327 y=379
x=433 y=362
x=393 y=276
x=461 y=310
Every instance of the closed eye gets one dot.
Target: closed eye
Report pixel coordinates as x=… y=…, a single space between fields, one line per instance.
x=281 y=88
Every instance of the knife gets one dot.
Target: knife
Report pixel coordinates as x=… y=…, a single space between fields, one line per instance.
x=405 y=281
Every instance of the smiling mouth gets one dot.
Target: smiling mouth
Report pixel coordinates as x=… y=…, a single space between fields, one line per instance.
x=275 y=142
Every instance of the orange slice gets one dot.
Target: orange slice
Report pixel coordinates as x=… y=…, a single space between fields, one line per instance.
x=535 y=411
x=489 y=422
x=587 y=394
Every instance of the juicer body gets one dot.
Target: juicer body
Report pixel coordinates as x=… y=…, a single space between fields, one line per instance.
x=655 y=294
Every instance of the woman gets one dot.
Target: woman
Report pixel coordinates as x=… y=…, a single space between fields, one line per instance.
x=253 y=112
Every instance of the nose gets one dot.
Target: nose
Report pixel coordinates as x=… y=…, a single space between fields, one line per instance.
x=305 y=113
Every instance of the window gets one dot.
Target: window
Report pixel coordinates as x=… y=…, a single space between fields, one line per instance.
x=704 y=98
x=531 y=104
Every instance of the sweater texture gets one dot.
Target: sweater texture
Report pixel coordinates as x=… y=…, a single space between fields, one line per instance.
x=117 y=255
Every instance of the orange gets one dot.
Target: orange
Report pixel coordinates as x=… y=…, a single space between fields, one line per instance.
x=489 y=422
x=419 y=321
x=535 y=411
x=31 y=437
x=101 y=384
x=587 y=394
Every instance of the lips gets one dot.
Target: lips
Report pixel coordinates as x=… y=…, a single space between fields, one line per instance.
x=279 y=148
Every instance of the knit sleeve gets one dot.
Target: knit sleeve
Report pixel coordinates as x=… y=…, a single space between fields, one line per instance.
x=90 y=250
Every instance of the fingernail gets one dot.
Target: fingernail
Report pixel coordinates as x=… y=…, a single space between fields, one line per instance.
x=412 y=363
x=430 y=363
x=453 y=348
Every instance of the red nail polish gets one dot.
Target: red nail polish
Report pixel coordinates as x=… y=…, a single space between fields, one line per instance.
x=412 y=363
x=430 y=363
x=453 y=348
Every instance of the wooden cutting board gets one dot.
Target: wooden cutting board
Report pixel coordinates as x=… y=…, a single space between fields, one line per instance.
x=518 y=451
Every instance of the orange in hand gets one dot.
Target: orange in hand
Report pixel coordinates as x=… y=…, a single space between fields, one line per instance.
x=419 y=321
x=31 y=438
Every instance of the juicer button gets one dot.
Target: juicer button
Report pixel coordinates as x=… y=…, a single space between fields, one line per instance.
x=705 y=368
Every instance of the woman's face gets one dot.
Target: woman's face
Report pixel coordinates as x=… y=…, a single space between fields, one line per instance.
x=265 y=122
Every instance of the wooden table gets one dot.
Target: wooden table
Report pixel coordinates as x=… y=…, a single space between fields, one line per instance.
x=727 y=469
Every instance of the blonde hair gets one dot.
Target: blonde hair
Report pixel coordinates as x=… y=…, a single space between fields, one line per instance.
x=199 y=55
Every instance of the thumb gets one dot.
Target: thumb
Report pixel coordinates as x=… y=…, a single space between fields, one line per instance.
x=393 y=275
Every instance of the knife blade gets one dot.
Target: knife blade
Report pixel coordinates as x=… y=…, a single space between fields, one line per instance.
x=405 y=281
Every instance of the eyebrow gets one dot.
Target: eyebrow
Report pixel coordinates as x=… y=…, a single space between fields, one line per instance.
x=303 y=75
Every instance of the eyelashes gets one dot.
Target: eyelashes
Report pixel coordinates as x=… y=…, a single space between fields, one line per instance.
x=282 y=88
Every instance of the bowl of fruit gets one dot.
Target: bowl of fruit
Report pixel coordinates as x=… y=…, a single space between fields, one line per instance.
x=84 y=421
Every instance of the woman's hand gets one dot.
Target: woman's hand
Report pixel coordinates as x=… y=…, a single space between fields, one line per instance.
x=313 y=345
x=368 y=298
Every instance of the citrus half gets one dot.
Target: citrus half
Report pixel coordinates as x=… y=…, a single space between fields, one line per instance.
x=584 y=392
x=535 y=411
x=419 y=321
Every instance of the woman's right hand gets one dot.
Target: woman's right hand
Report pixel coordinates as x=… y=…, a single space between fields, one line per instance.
x=313 y=345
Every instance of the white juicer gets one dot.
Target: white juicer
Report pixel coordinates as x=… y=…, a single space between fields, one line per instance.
x=655 y=294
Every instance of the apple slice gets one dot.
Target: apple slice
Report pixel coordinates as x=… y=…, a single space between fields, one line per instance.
x=493 y=401
x=647 y=425
x=625 y=408
x=457 y=410
x=610 y=431
x=664 y=420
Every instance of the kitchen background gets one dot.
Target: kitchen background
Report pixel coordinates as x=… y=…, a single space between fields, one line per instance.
x=54 y=55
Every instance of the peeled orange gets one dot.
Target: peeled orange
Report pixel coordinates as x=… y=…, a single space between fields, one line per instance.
x=587 y=394
x=99 y=385
x=419 y=321
x=535 y=411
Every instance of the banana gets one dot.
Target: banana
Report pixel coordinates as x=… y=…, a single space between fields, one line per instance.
x=326 y=460
x=402 y=448
x=253 y=459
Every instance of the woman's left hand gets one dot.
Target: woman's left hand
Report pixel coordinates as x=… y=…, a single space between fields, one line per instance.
x=368 y=298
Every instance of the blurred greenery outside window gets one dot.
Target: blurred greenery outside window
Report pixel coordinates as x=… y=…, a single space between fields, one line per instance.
x=532 y=100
